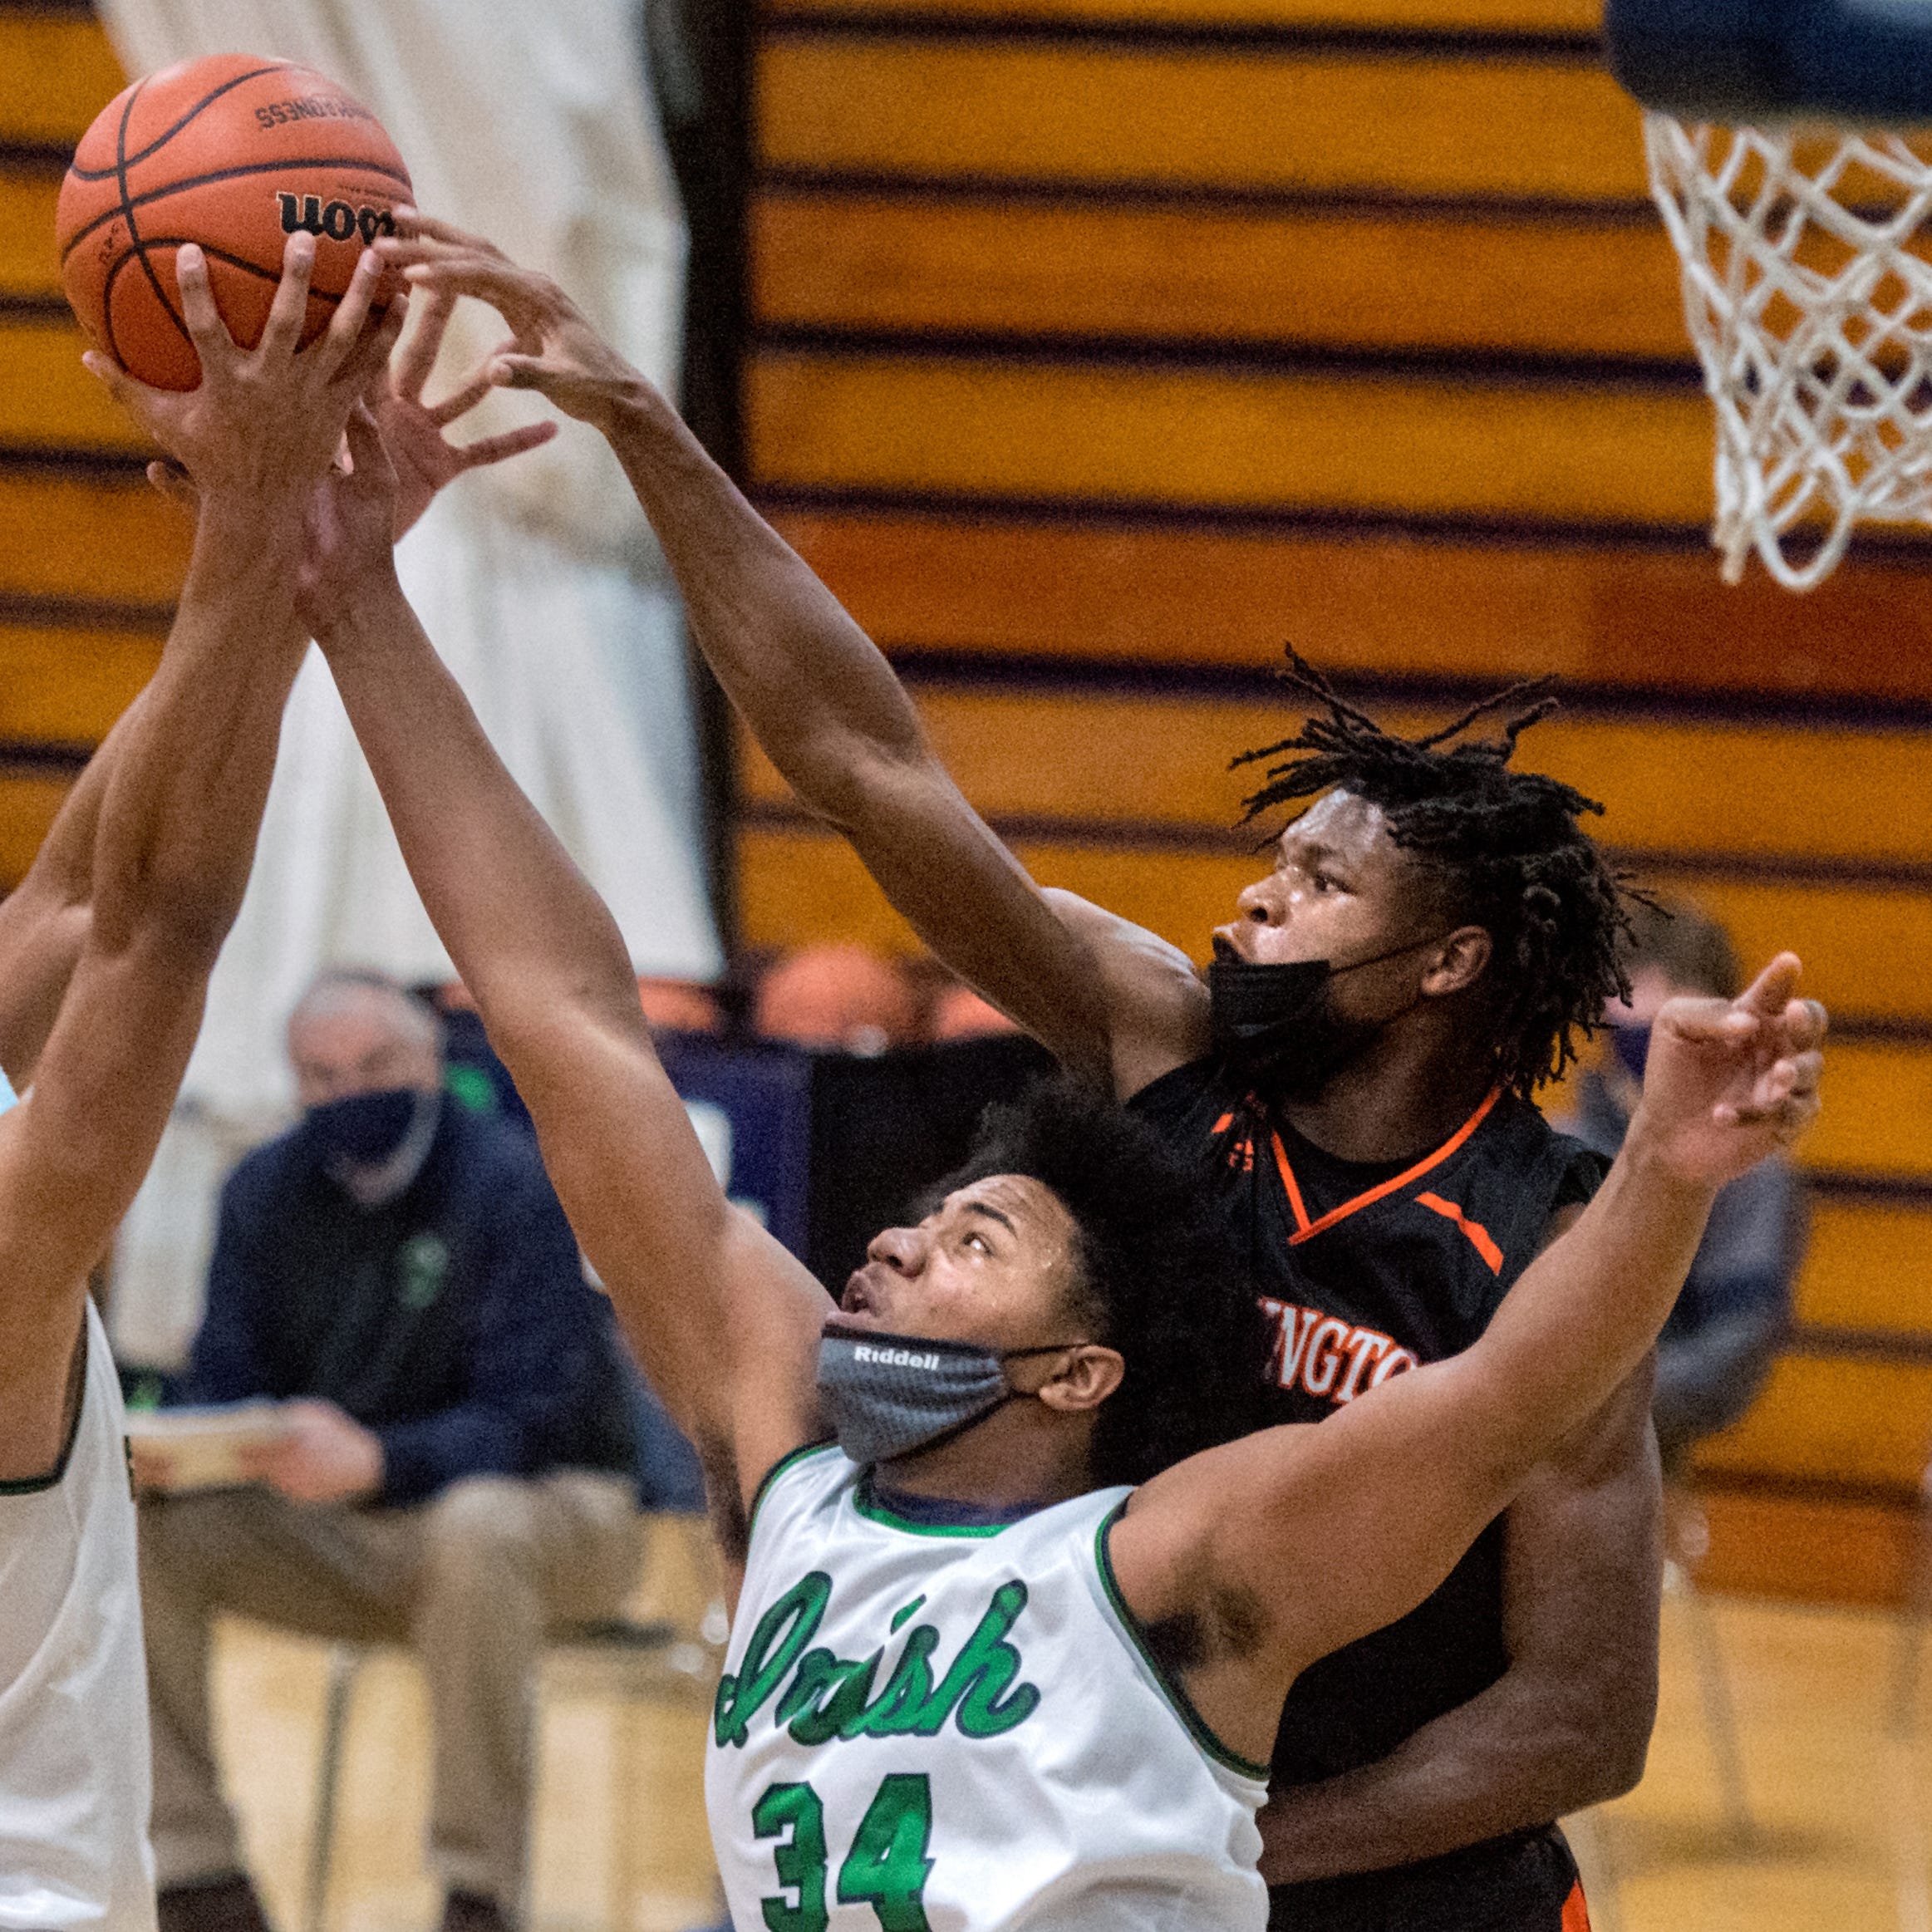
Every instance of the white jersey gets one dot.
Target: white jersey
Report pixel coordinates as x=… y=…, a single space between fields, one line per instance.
x=926 y=1729
x=74 y=1768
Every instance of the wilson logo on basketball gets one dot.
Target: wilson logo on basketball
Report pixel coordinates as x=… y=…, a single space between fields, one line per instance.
x=337 y=220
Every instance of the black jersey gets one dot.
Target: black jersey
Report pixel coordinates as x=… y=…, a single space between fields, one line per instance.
x=1365 y=1271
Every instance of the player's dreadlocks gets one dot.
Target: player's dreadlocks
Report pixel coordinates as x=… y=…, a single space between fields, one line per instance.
x=1505 y=846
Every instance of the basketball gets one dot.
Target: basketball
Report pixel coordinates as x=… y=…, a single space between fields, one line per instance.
x=235 y=153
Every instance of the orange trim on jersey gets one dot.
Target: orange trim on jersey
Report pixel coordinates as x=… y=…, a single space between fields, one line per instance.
x=1575 y=1911
x=1480 y=1238
x=1306 y=1230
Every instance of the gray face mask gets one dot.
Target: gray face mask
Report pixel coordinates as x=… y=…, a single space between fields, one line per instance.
x=886 y=1395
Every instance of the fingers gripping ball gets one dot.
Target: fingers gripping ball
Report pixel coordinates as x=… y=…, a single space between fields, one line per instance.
x=235 y=153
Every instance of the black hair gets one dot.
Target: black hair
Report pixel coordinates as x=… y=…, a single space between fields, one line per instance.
x=1158 y=1280
x=1504 y=848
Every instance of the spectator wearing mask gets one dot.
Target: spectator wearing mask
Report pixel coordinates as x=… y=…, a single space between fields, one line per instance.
x=1717 y=1349
x=454 y=1470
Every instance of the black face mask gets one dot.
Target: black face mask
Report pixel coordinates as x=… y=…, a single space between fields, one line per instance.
x=1276 y=1027
x=365 y=1128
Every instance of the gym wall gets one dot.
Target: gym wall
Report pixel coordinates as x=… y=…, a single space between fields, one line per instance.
x=1101 y=345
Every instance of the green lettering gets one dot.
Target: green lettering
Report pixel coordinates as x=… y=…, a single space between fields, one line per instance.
x=898 y=1706
x=799 y=1860
x=980 y=1675
x=835 y=1716
x=782 y=1631
x=886 y=1867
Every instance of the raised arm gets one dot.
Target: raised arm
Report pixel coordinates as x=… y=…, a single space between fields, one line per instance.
x=1568 y=1724
x=45 y=919
x=177 y=819
x=1282 y=1547
x=821 y=700
x=724 y=1322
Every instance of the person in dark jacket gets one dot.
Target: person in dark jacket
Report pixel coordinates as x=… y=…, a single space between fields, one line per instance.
x=1716 y=1350
x=453 y=1468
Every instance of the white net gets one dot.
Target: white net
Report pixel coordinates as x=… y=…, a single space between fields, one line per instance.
x=1808 y=292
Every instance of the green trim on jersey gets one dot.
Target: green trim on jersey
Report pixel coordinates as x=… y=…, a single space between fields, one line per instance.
x=1192 y=1720
x=40 y=1485
x=772 y=1475
x=868 y=1505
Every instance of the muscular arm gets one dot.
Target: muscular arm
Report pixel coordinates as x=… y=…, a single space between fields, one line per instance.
x=178 y=817
x=44 y=920
x=177 y=824
x=818 y=695
x=724 y=1322
x=1566 y=1725
x=820 y=699
x=1275 y=1551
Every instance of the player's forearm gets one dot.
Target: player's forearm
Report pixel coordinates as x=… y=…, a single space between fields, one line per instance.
x=1528 y=1751
x=1587 y=1310
x=817 y=693
x=827 y=709
x=45 y=921
x=529 y=936
x=183 y=802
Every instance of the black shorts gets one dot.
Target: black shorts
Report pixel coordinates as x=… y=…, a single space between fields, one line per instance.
x=1526 y=1882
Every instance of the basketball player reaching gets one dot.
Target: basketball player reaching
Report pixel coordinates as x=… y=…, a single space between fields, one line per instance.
x=1364 y=1124
x=44 y=920
x=174 y=826
x=1009 y=1651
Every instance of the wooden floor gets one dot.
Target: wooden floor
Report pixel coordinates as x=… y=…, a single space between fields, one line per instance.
x=1842 y=1813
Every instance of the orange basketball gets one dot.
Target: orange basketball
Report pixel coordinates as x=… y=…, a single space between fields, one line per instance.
x=234 y=153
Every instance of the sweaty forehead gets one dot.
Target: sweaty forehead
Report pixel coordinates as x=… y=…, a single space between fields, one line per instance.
x=1345 y=825
x=1032 y=1208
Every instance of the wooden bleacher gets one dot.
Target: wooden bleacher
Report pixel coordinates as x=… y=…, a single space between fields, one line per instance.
x=90 y=560
x=1090 y=363
x=1102 y=344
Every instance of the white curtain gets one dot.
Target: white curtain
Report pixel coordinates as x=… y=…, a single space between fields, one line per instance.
x=532 y=125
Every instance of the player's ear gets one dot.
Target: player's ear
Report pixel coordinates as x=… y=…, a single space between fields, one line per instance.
x=1458 y=962
x=1089 y=1376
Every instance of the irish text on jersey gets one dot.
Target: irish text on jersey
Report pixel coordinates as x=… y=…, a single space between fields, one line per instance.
x=818 y=1697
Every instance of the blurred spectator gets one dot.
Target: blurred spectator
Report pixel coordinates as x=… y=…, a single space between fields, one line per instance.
x=455 y=1468
x=838 y=997
x=959 y=1013
x=1718 y=1347
x=680 y=1006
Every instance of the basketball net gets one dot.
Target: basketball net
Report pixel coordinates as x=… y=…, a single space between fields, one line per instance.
x=1812 y=314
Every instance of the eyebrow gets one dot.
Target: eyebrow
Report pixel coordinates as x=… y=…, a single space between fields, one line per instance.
x=1307 y=848
x=991 y=1214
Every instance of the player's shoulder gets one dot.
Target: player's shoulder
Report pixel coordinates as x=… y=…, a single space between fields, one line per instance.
x=1197 y=1092
x=1157 y=1005
x=1517 y=1153
x=797 y=1485
x=1516 y=1129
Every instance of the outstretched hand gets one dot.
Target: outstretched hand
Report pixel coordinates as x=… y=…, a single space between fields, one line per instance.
x=266 y=422
x=552 y=349
x=351 y=519
x=1729 y=1081
x=412 y=430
